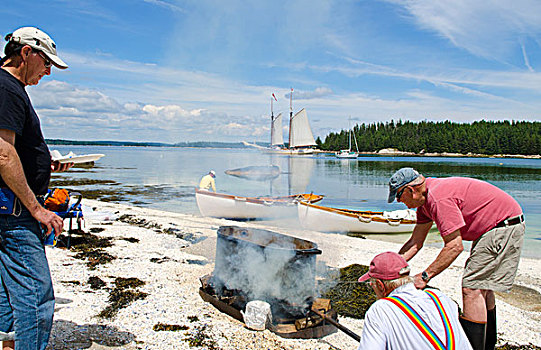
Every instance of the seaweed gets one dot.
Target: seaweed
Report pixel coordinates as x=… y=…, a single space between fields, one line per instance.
x=133 y=220
x=169 y=327
x=82 y=241
x=193 y=318
x=64 y=182
x=130 y=239
x=122 y=295
x=95 y=282
x=140 y=222
x=88 y=247
x=131 y=282
x=95 y=257
x=71 y=282
x=159 y=260
x=508 y=346
x=349 y=297
x=200 y=338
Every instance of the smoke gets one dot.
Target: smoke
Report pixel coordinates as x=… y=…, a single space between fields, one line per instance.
x=275 y=271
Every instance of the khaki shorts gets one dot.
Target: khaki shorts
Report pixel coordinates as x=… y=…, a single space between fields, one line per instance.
x=494 y=259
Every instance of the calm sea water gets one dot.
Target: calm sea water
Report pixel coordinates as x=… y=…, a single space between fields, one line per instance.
x=164 y=178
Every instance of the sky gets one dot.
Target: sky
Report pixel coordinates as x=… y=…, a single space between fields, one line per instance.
x=205 y=70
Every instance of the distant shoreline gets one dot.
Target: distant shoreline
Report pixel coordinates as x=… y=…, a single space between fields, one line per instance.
x=201 y=144
x=394 y=152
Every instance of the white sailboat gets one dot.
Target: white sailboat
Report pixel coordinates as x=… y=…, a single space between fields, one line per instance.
x=348 y=153
x=301 y=139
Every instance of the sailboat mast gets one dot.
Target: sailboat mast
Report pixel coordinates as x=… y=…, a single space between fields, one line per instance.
x=349 y=132
x=272 y=120
x=290 y=115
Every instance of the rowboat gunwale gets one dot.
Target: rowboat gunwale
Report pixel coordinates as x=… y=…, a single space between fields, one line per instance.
x=281 y=200
x=360 y=214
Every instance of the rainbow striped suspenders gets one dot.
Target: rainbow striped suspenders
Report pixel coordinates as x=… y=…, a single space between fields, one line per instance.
x=423 y=327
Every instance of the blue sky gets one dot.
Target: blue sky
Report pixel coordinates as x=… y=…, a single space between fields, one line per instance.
x=174 y=70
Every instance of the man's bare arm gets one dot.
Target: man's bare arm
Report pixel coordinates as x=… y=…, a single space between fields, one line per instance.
x=416 y=241
x=12 y=173
x=450 y=251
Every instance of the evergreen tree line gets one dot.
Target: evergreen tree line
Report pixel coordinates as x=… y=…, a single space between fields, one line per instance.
x=483 y=137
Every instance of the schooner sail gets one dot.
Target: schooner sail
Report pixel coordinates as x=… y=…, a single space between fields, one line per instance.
x=277 y=137
x=300 y=134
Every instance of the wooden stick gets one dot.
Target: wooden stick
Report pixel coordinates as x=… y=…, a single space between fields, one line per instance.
x=337 y=325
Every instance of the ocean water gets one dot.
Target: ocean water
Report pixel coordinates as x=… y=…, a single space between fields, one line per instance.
x=164 y=178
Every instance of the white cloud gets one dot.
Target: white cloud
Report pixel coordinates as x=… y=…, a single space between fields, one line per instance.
x=491 y=29
x=166 y=5
x=308 y=95
x=85 y=114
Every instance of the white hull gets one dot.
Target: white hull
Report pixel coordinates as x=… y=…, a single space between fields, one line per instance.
x=346 y=154
x=325 y=219
x=236 y=207
x=300 y=151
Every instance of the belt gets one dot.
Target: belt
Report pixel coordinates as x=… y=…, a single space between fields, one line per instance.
x=511 y=221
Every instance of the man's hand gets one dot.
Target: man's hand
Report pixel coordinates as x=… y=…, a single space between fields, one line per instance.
x=419 y=282
x=50 y=220
x=56 y=166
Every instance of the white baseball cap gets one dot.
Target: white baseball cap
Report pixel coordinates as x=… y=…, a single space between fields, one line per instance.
x=38 y=40
x=212 y=172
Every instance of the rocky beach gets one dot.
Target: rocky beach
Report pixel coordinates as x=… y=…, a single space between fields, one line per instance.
x=132 y=282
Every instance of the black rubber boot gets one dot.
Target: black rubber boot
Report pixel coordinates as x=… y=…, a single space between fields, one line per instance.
x=475 y=331
x=492 y=331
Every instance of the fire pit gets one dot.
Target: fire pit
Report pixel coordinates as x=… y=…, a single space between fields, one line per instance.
x=255 y=264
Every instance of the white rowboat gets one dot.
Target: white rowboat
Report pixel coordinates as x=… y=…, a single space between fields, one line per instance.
x=326 y=219
x=228 y=206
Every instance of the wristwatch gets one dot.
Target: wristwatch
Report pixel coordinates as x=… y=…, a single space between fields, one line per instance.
x=424 y=276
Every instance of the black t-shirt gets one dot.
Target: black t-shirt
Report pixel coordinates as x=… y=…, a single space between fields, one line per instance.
x=18 y=115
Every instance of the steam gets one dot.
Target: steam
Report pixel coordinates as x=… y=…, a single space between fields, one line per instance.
x=272 y=272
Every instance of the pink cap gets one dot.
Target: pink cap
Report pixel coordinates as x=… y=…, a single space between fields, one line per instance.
x=386 y=266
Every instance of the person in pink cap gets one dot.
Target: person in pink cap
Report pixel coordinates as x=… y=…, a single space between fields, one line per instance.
x=405 y=317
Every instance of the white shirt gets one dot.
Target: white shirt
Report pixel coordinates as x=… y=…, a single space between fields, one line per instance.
x=386 y=327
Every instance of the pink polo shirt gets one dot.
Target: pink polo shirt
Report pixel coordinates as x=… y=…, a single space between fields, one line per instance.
x=469 y=205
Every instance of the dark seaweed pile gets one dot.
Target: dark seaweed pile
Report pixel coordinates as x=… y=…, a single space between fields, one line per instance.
x=95 y=282
x=124 y=293
x=349 y=297
x=169 y=327
x=89 y=247
x=199 y=337
x=508 y=346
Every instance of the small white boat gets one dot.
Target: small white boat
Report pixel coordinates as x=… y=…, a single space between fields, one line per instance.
x=348 y=153
x=71 y=157
x=229 y=206
x=326 y=219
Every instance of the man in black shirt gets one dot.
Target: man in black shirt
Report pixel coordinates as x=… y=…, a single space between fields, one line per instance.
x=26 y=292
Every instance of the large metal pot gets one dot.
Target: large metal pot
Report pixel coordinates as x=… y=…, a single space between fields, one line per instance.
x=265 y=265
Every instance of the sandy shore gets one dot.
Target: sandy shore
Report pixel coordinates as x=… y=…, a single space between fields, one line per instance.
x=171 y=266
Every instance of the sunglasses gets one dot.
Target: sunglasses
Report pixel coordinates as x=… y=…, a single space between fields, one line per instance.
x=400 y=193
x=46 y=60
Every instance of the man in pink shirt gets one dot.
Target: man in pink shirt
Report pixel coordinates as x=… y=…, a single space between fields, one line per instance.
x=471 y=210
